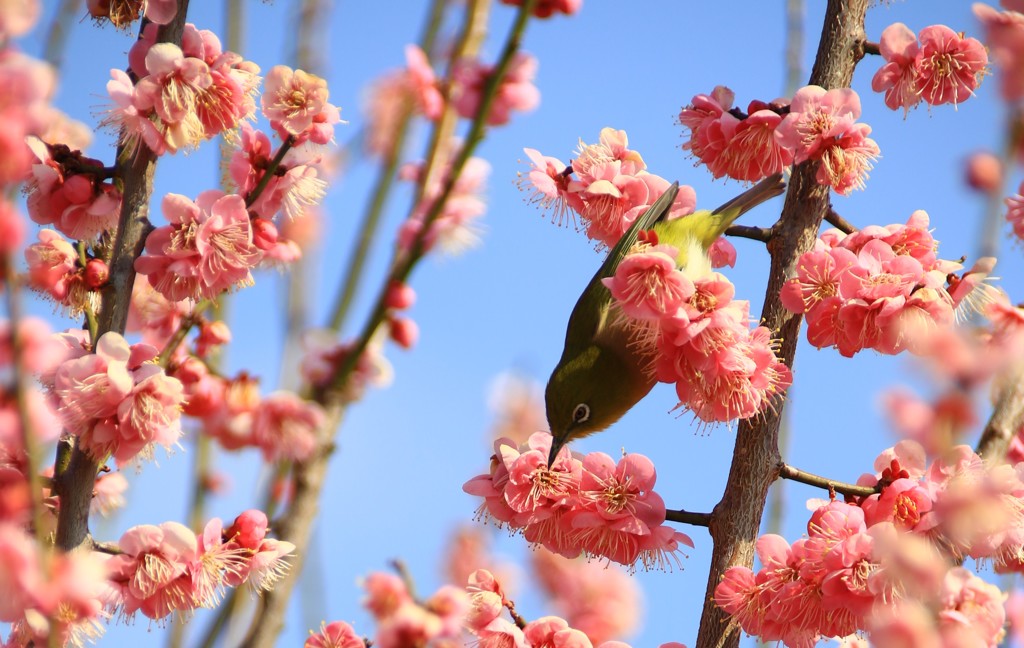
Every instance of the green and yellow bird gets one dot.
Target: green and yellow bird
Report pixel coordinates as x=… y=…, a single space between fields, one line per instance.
x=599 y=376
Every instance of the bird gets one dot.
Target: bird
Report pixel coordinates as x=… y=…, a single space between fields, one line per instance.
x=601 y=375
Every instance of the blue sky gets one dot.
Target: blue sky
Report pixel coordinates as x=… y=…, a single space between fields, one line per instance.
x=403 y=453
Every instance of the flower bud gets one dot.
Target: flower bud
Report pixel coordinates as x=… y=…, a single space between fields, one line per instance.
x=77 y=189
x=248 y=529
x=984 y=172
x=404 y=332
x=96 y=274
x=400 y=296
x=264 y=234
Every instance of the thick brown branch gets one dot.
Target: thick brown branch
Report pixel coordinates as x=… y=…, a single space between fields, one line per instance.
x=795 y=474
x=736 y=519
x=74 y=484
x=687 y=517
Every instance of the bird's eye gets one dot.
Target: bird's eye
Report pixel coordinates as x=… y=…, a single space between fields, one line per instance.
x=581 y=413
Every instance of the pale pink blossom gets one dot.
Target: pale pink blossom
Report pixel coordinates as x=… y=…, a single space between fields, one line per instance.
x=516 y=90
x=152 y=573
x=423 y=83
x=898 y=77
x=17 y=17
x=285 y=426
x=1004 y=37
x=295 y=103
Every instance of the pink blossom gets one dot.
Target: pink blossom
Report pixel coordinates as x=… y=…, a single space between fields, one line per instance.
x=152 y=573
x=337 y=634
x=983 y=171
x=92 y=387
x=1015 y=212
x=547 y=8
x=295 y=103
x=206 y=249
x=296 y=185
x=648 y=286
x=171 y=91
x=822 y=126
x=1003 y=37
x=547 y=185
x=285 y=427
x=423 y=83
x=454 y=229
x=17 y=17
x=108 y=493
x=515 y=92
x=950 y=67
x=76 y=203
x=898 y=77
x=127 y=118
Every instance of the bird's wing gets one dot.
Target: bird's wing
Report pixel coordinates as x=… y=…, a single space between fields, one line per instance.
x=592 y=307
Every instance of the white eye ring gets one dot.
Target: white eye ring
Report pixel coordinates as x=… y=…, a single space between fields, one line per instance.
x=581 y=414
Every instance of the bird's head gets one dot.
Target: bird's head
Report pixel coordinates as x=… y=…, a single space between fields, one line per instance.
x=590 y=390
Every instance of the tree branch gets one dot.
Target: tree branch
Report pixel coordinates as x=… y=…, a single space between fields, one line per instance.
x=736 y=519
x=763 y=234
x=74 y=484
x=1007 y=416
x=835 y=220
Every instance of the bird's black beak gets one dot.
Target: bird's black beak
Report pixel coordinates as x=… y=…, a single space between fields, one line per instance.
x=557 y=443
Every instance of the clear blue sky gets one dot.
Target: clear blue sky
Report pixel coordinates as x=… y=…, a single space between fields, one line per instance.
x=403 y=454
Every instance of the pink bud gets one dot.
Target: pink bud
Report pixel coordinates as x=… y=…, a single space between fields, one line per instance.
x=400 y=296
x=404 y=332
x=264 y=234
x=984 y=172
x=96 y=274
x=78 y=189
x=212 y=334
x=248 y=529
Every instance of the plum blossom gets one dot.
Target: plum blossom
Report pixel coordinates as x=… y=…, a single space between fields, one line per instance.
x=295 y=103
x=596 y=507
x=822 y=125
x=206 y=249
x=548 y=8
x=516 y=91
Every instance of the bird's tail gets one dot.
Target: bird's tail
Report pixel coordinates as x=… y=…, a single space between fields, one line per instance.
x=767 y=189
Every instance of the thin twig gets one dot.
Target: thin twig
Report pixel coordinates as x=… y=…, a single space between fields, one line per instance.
x=762 y=234
x=795 y=474
x=835 y=220
x=687 y=517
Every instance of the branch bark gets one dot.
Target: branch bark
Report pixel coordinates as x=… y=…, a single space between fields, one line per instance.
x=75 y=472
x=736 y=519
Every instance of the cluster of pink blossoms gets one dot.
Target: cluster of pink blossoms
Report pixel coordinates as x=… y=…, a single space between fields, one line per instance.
x=441 y=620
x=697 y=336
x=454 y=229
x=820 y=125
x=184 y=95
x=595 y=506
x=879 y=288
x=117 y=400
x=938 y=67
x=65 y=190
x=611 y=187
x=167 y=568
x=731 y=143
x=56 y=269
x=875 y=563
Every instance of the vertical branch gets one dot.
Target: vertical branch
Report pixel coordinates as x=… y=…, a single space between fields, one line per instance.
x=737 y=517
x=75 y=473
x=57 y=37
